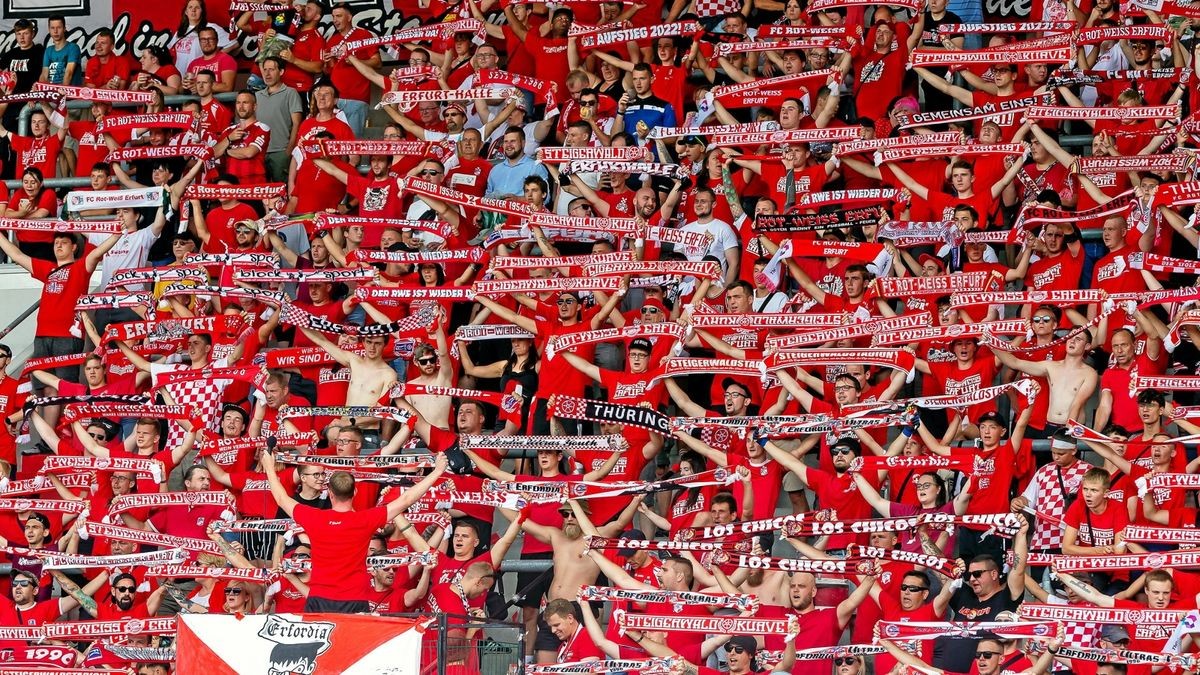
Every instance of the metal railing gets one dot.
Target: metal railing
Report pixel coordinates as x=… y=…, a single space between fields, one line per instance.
x=497 y=649
x=173 y=100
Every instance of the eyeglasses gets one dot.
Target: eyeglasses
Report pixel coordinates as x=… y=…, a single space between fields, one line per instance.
x=22 y=583
x=313 y=473
x=913 y=589
x=926 y=486
x=233 y=591
x=735 y=394
x=844 y=387
x=1042 y=319
x=975 y=574
x=427 y=361
x=122 y=589
x=349 y=441
x=845 y=661
x=735 y=649
x=986 y=655
x=650 y=310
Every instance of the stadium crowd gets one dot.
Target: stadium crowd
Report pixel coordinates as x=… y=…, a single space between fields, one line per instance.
x=787 y=336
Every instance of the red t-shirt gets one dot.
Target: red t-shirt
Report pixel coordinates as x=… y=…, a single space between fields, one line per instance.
x=45 y=200
x=1114 y=519
x=349 y=82
x=340 y=540
x=97 y=72
x=41 y=153
x=220 y=222
x=253 y=170
x=307 y=47
x=62 y=287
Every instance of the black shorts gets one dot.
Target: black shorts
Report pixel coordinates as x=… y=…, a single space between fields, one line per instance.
x=533 y=595
x=315 y=604
x=545 y=641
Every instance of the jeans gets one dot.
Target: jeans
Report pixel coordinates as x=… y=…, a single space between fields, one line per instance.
x=356 y=114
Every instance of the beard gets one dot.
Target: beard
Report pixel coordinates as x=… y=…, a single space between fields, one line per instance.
x=572 y=531
x=125 y=602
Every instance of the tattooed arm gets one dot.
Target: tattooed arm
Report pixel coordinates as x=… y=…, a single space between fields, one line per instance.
x=76 y=596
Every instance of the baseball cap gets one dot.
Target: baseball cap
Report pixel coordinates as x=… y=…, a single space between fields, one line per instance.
x=631 y=534
x=747 y=643
x=693 y=140
x=641 y=344
x=41 y=518
x=994 y=417
x=926 y=258
x=730 y=382
x=1114 y=633
x=236 y=408
x=454 y=106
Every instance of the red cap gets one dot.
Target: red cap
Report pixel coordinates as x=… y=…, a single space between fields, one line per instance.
x=925 y=257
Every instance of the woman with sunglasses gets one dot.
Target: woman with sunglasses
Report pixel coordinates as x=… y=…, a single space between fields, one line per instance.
x=931 y=496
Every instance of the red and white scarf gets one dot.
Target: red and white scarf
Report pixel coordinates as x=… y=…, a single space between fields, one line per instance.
x=405 y=100
x=1141 y=616
x=146 y=467
x=986 y=110
x=90 y=94
x=954 y=331
x=157 y=500
x=88 y=529
x=930 y=630
x=163 y=120
x=674 y=29
x=1069 y=297
x=78 y=631
x=58 y=561
x=827 y=135
x=850 y=331
x=904 y=154
x=770 y=92
x=739 y=601
x=718 y=625
x=899 y=359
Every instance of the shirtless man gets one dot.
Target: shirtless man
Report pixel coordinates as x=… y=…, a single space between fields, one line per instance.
x=436 y=369
x=370 y=375
x=573 y=567
x=1071 y=380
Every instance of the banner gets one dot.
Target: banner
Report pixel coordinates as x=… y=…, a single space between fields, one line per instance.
x=349 y=644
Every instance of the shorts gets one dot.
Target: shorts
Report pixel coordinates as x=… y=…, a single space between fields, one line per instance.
x=532 y=595
x=315 y=604
x=792 y=483
x=545 y=641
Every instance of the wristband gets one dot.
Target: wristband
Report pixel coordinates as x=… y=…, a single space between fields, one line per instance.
x=406 y=528
x=907 y=431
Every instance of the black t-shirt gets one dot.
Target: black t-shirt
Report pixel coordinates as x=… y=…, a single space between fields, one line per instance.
x=956 y=654
x=25 y=64
x=930 y=36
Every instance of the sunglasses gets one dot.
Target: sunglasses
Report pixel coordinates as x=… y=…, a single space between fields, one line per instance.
x=566 y=301
x=22 y=583
x=986 y=655
x=649 y=310
x=1042 y=319
x=735 y=649
x=233 y=591
x=122 y=589
x=430 y=172
x=427 y=361
x=840 y=451
x=566 y=514
x=845 y=661
x=913 y=589
x=975 y=574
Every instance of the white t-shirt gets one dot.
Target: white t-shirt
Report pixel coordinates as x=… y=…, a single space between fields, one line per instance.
x=130 y=251
x=724 y=239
